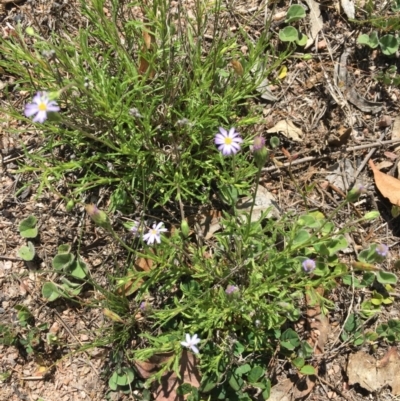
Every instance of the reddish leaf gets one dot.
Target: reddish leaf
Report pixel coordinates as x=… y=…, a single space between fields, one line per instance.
x=165 y=390
x=388 y=186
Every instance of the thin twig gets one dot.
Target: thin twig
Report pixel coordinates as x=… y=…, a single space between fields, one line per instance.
x=365 y=161
x=4 y=257
x=332 y=387
x=312 y=158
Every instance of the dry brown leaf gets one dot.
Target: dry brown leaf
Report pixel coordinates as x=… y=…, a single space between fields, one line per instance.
x=318 y=323
x=287 y=128
x=384 y=164
x=373 y=375
x=143 y=264
x=391 y=155
x=237 y=66
x=207 y=223
x=146 y=369
x=264 y=200
x=341 y=137
x=165 y=390
x=282 y=391
x=388 y=186
x=396 y=130
x=146 y=49
x=316 y=22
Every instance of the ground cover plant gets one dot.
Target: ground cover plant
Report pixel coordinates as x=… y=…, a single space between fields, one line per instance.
x=145 y=118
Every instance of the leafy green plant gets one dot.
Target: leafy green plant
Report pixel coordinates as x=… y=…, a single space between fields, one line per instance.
x=66 y=263
x=7 y=335
x=389 y=44
x=390 y=77
x=121 y=378
x=289 y=33
x=390 y=331
x=146 y=121
x=396 y=6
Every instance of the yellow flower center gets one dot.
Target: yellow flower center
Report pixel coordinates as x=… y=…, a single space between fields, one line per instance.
x=42 y=106
x=228 y=141
x=153 y=231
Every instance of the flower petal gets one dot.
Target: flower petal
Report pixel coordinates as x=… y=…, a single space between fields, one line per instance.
x=219 y=139
x=223 y=131
x=194 y=349
x=31 y=109
x=40 y=117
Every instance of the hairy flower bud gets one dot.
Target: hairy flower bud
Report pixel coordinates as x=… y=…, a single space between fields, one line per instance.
x=355 y=193
x=98 y=216
x=260 y=151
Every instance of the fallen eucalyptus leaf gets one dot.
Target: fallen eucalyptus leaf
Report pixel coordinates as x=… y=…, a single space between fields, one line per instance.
x=388 y=186
x=371 y=374
x=287 y=128
x=264 y=200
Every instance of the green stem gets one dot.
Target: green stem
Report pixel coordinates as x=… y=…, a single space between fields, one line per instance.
x=254 y=200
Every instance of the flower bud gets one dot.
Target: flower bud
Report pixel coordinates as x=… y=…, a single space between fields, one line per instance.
x=70 y=205
x=260 y=151
x=185 y=228
x=98 y=216
x=355 y=193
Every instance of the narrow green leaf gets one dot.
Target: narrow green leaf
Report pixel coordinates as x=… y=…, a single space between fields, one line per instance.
x=307 y=370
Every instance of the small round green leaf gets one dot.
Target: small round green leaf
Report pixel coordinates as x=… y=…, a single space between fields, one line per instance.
x=63 y=261
x=65 y=248
x=371 y=215
x=288 y=34
x=369 y=40
x=302 y=40
x=122 y=377
x=27 y=253
x=27 y=227
x=295 y=13
x=389 y=45
x=50 y=292
x=79 y=268
x=301 y=237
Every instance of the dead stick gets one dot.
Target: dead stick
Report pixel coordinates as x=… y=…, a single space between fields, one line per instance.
x=311 y=158
x=365 y=161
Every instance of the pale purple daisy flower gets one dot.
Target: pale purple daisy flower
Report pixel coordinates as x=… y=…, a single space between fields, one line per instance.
x=382 y=250
x=228 y=142
x=231 y=289
x=41 y=105
x=154 y=234
x=191 y=343
x=308 y=265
